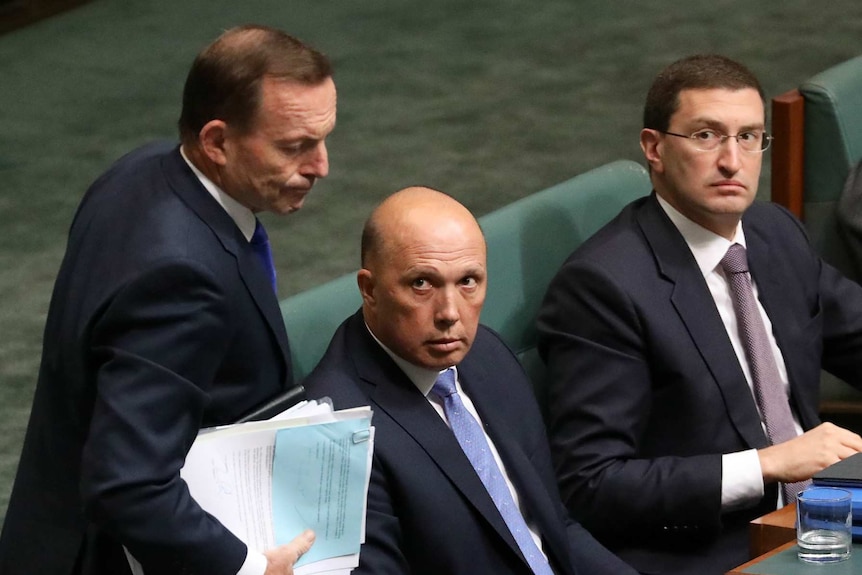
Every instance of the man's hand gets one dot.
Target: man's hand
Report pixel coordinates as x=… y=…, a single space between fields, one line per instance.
x=279 y=561
x=805 y=455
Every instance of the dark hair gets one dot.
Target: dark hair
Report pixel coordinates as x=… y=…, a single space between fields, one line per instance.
x=700 y=72
x=370 y=241
x=225 y=78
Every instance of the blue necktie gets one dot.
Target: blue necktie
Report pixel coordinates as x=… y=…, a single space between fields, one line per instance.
x=260 y=244
x=472 y=440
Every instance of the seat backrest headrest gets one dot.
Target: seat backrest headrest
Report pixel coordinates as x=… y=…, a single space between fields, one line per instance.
x=529 y=239
x=833 y=144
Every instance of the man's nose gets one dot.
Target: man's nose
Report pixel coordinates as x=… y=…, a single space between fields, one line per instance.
x=317 y=164
x=447 y=307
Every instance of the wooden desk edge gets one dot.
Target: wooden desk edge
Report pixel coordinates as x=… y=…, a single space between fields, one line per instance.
x=772 y=530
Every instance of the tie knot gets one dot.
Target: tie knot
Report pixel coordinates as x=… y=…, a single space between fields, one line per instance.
x=259 y=236
x=735 y=260
x=445 y=384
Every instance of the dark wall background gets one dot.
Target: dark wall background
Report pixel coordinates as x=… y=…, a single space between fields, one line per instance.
x=489 y=100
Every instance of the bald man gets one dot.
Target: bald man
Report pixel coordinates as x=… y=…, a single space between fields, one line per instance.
x=423 y=281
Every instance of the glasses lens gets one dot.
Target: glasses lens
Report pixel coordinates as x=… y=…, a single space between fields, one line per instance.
x=766 y=141
x=706 y=140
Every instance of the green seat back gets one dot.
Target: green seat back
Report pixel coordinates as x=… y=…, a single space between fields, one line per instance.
x=311 y=318
x=529 y=239
x=833 y=144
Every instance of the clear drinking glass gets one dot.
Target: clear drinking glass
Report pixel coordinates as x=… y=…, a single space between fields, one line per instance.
x=823 y=522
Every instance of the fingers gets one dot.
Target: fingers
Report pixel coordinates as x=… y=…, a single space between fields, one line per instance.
x=280 y=560
x=805 y=455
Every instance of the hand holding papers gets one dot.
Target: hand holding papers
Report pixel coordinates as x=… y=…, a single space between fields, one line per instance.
x=267 y=481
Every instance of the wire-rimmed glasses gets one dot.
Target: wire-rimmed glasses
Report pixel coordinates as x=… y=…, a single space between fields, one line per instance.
x=751 y=141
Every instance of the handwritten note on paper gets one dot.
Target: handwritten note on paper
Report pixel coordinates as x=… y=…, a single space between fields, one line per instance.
x=319 y=481
x=224 y=477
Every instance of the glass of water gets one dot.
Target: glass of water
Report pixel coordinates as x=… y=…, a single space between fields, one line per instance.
x=823 y=522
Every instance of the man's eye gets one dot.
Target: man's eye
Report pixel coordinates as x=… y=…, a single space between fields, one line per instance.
x=706 y=136
x=420 y=283
x=748 y=137
x=469 y=282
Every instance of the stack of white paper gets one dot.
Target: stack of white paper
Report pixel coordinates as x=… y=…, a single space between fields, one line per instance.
x=267 y=481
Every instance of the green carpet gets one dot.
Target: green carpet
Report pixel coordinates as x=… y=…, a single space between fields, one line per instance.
x=487 y=100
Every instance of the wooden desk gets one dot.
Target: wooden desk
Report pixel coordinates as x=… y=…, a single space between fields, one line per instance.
x=772 y=530
x=773 y=548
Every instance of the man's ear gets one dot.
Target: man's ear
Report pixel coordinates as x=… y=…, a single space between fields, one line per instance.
x=212 y=138
x=651 y=145
x=365 y=281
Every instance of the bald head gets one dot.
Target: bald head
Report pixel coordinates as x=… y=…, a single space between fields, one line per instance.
x=423 y=277
x=412 y=211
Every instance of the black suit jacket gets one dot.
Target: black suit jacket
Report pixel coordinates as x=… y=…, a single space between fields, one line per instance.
x=646 y=393
x=428 y=512
x=162 y=322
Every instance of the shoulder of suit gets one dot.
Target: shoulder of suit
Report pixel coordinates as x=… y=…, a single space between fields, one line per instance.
x=489 y=341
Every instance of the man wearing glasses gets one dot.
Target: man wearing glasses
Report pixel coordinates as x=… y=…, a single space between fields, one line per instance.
x=684 y=341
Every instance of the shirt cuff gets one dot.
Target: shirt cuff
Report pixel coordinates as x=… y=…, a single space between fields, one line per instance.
x=741 y=480
x=254 y=564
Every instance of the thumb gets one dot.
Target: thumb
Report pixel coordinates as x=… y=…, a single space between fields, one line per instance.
x=302 y=543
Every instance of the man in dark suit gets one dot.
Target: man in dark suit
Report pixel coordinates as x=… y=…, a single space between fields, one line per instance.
x=422 y=282
x=658 y=441
x=164 y=320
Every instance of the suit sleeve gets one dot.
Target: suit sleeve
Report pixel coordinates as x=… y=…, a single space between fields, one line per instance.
x=156 y=346
x=590 y=557
x=382 y=551
x=595 y=342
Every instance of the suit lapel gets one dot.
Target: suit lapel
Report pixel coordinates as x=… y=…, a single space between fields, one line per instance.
x=486 y=394
x=696 y=308
x=393 y=392
x=186 y=185
x=773 y=298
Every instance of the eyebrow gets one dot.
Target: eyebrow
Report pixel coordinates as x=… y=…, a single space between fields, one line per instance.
x=715 y=124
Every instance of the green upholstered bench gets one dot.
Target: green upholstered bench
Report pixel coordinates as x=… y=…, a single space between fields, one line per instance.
x=529 y=239
x=527 y=242
x=818 y=139
x=311 y=318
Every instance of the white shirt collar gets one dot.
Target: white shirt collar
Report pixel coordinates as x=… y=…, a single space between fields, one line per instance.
x=708 y=248
x=241 y=215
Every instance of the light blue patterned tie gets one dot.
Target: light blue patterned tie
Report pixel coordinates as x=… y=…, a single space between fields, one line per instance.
x=768 y=390
x=260 y=244
x=475 y=446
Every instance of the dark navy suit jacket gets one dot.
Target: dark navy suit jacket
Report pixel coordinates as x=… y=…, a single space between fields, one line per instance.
x=428 y=512
x=162 y=322
x=646 y=392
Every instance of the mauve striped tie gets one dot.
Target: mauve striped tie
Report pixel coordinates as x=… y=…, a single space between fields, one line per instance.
x=769 y=391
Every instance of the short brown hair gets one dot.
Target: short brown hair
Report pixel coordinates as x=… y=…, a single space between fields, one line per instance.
x=699 y=72
x=225 y=78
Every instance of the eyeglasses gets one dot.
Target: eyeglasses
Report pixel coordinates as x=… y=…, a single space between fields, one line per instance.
x=751 y=141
